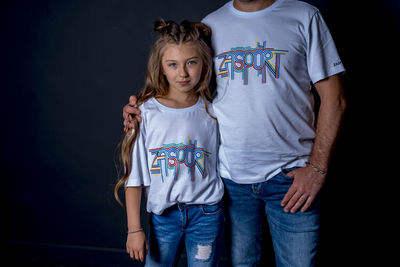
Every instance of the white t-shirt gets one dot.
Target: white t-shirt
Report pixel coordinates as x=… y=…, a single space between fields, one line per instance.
x=265 y=61
x=175 y=156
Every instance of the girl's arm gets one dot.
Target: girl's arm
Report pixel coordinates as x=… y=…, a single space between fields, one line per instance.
x=136 y=244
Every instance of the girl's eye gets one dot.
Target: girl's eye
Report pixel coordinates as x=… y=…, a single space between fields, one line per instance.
x=172 y=64
x=192 y=62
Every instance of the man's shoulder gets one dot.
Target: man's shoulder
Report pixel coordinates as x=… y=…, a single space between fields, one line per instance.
x=300 y=7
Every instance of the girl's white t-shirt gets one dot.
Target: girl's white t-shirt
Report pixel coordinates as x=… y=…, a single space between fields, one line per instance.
x=175 y=156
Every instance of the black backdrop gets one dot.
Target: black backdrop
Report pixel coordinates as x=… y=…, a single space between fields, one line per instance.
x=68 y=67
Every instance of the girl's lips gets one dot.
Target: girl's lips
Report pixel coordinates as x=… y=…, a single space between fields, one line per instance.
x=183 y=82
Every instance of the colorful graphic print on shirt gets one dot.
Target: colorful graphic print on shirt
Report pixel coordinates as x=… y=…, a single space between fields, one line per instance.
x=241 y=59
x=172 y=157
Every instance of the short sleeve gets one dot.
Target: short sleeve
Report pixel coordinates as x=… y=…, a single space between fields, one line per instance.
x=140 y=174
x=322 y=57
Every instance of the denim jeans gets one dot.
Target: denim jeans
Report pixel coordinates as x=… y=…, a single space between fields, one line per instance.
x=294 y=235
x=198 y=227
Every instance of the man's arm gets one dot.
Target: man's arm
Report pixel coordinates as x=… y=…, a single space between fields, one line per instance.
x=307 y=182
x=128 y=111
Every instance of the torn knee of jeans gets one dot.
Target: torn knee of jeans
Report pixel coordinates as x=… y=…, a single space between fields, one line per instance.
x=203 y=252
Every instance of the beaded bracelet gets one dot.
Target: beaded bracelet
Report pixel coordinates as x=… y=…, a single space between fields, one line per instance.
x=316 y=169
x=140 y=230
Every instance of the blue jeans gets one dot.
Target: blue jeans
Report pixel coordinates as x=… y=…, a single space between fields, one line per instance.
x=294 y=236
x=198 y=227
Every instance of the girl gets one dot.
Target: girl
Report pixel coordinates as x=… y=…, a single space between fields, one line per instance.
x=173 y=154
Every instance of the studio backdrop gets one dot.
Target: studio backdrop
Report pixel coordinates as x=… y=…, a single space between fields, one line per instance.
x=68 y=68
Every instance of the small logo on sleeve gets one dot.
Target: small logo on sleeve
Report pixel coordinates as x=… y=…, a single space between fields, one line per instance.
x=337 y=63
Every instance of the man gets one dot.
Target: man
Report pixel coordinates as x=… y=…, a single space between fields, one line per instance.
x=271 y=157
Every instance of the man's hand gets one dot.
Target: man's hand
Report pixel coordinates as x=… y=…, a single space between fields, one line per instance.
x=136 y=246
x=307 y=182
x=306 y=185
x=128 y=112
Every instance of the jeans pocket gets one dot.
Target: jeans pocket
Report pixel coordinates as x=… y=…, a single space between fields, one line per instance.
x=211 y=209
x=285 y=176
x=285 y=171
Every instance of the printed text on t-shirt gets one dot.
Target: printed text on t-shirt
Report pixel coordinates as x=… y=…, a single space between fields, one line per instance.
x=170 y=157
x=241 y=59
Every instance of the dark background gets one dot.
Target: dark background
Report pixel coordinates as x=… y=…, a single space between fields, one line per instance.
x=68 y=68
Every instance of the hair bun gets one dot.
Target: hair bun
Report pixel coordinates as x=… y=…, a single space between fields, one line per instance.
x=186 y=31
x=204 y=30
x=165 y=27
x=197 y=30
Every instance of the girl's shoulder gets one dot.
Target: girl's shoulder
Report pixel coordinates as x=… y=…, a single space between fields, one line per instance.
x=146 y=109
x=147 y=105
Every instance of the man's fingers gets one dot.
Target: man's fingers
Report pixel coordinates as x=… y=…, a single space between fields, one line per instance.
x=128 y=110
x=126 y=122
x=308 y=203
x=299 y=203
x=292 y=202
x=132 y=100
x=125 y=114
x=288 y=196
x=298 y=200
x=131 y=110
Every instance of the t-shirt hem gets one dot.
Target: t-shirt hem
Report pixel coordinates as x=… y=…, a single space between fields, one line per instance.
x=160 y=211
x=252 y=180
x=136 y=184
x=323 y=75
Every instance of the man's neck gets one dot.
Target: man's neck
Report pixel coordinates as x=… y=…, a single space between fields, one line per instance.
x=252 y=5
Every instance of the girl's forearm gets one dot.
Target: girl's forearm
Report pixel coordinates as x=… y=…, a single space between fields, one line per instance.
x=132 y=199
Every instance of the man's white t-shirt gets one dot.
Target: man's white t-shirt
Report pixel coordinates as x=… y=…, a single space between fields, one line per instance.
x=175 y=156
x=265 y=62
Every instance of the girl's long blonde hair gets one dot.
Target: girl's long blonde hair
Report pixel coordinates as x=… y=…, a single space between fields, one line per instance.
x=156 y=84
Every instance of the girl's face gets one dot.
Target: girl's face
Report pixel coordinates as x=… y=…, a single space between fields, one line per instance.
x=182 y=67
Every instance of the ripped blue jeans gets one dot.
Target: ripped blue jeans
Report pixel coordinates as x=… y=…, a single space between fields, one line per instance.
x=199 y=227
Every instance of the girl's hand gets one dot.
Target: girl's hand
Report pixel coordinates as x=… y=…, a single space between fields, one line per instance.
x=136 y=246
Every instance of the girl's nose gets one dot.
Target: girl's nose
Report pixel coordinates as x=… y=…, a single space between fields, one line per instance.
x=183 y=72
